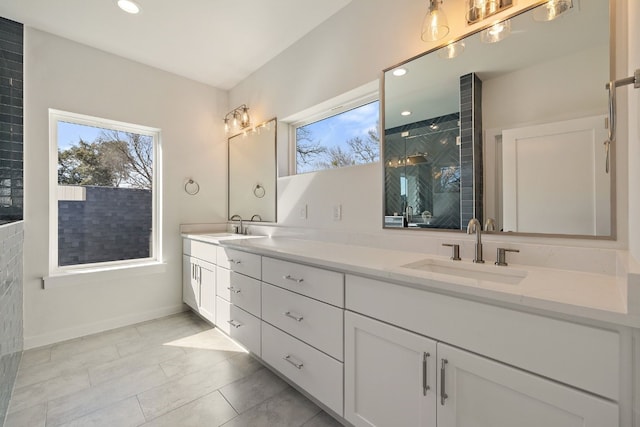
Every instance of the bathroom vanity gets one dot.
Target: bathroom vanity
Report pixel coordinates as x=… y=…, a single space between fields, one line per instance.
x=381 y=337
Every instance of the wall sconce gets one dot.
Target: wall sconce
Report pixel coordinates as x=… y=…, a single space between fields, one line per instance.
x=551 y=10
x=237 y=119
x=434 y=24
x=496 y=32
x=477 y=10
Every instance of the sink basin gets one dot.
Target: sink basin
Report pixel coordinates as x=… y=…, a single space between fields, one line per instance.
x=485 y=272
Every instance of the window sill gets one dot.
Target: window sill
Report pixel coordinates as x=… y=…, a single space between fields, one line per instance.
x=102 y=274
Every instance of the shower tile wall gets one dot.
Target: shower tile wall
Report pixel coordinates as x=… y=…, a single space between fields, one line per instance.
x=11 y=288
x=471 y=181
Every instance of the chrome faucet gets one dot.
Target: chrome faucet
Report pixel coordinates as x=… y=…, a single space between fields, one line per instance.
x=239 y=229
x=475 y=227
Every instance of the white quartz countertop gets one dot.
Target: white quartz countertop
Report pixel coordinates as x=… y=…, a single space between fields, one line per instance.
x=587 y=295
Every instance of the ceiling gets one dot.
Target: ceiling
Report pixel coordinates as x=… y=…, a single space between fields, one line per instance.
x=211 y=41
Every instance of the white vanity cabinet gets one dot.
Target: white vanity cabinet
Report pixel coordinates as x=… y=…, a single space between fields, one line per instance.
x=199 y=277
x=467 y=388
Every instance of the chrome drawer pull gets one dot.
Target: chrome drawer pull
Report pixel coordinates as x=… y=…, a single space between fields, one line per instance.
x=234 y=290
x=290 y=360
x=235 y=261
x=443 y=393
x=293 y=316
x=293 y=279
x=234 y=323
x=425 y=380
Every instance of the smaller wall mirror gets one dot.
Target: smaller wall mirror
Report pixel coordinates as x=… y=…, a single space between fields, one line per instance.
x=253 y=174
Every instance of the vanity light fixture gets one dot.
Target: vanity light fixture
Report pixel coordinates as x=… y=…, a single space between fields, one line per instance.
x=496 y=32
x=129 y=6
x=237 y=119
x=451 y=50
x=551 y=10
x=434 y=24
x=399 y=72
x=405 y=113
x=477 y=10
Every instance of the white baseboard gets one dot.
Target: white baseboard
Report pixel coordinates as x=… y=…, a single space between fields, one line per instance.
x=96 y=327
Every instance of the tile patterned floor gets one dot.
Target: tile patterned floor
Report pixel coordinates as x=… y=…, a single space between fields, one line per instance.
x=174 y=371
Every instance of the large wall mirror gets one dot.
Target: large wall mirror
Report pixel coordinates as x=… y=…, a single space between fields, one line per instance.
x=510 y=132
x=253 y=174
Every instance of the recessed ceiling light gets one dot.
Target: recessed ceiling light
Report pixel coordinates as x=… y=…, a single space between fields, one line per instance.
x=405 y=113
x=399 y=72
x=129 y=6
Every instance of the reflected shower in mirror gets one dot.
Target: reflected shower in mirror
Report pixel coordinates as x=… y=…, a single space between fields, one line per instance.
x=253 y=174
x=510 y=131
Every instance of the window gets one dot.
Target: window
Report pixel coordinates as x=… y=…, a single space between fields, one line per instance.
x=104 y=192
x=348 y=137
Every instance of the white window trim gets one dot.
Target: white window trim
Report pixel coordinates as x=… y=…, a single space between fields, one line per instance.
x=358 y=97
x=80 y=273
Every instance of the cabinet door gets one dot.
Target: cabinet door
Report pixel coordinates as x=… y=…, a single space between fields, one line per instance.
x=190 y=286
x=207 y=282
x=479 y=392
x=390 y=375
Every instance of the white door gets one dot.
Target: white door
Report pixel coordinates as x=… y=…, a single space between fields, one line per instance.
x=567 y=192
x=389 y=375
x=207 y=282
x=190 y=287
x=479 y=392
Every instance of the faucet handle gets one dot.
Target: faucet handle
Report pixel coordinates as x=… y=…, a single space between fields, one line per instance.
x=455 y=251
x=502 y=256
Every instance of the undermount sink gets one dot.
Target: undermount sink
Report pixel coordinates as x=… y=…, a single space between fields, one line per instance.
x=486 y=272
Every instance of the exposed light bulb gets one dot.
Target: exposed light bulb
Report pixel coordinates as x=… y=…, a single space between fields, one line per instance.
x=496 y=32
x=434 y=25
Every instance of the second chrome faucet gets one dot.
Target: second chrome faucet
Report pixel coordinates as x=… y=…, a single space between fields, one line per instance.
x=475 y=227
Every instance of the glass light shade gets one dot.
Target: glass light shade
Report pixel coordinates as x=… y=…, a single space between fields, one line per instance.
x=496 y=32
x=551 y=10
x=451 y=50
x=435 y=25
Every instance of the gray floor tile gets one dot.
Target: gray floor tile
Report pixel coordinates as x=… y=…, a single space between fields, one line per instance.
x=63 y=385
x=287 y=409
x=322 y=420
x=35 y=356
x=93 y=342
x=168 y=337
x=194 y=361
x=126 y=413
x=210 y=410
x=34 y=416
x=253 y=389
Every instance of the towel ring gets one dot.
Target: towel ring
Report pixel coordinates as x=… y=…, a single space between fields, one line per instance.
x=191 y=187
x=259 y=191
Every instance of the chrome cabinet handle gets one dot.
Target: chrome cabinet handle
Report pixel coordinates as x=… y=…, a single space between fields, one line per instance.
x=200 y=275
x=192 y=270
x=443 y=393
x=234 y=323
x=293 y=279
x=290 y=360
x=234 y=290
x=293 y=316
x=235 y=261
x=425 y=380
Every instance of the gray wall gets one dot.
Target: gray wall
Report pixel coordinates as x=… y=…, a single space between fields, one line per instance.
x=111 y=224
x=11 y=335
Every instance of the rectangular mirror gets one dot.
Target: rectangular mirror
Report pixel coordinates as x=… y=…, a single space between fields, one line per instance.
x=510 y=132
x=253 y=174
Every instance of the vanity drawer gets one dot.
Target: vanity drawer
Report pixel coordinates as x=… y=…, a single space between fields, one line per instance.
x=323 y=285
x=223 y=282
x=241 y=326
x=582 y=356
x=316 y=323
x=201 y=250
x=241 y=262
x=245 y=293
x=318 y=374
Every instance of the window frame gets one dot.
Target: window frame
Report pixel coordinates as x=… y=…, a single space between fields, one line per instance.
x=325 y=111
x=56 y=116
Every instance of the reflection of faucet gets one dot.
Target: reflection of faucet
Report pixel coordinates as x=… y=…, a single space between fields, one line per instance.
x=490 y=224
x=475 y=227
x=256 y=216
x=239 y=229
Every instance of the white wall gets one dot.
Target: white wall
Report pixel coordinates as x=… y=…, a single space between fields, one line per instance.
x=349 y=50
x=634 y=131
x=68 y=76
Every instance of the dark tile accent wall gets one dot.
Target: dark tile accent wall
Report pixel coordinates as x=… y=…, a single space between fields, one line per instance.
x=11 y=330
x=471 y=173
x=11 y=121
x=111 y=224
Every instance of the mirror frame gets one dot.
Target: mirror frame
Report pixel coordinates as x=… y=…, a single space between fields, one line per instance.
x=273 y=122
x=613 y=150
